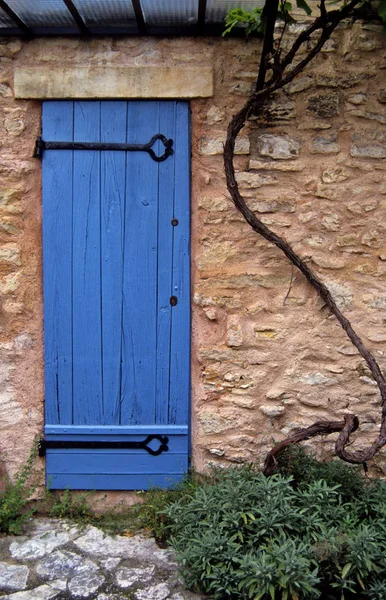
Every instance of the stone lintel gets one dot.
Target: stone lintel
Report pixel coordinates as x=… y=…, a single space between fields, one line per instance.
x=113 y=82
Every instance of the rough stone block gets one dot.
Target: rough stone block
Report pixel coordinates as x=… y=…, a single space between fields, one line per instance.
x=278 y=147
x=114 y=82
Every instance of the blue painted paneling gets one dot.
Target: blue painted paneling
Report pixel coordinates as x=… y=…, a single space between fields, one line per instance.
x=140 y=273
x=57 y=252
x=116 y=353
x=165 y=261
x=87 y=309
x=113 y=129
x=113 y=482
x=180 y=332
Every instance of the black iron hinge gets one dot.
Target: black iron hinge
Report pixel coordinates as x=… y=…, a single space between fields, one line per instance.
x=144 y=445
x=41 y=145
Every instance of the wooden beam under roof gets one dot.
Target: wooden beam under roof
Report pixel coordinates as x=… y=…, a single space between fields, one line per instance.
x=15 y=17
x=201 y=13
x=142 y=27
x=76 y=16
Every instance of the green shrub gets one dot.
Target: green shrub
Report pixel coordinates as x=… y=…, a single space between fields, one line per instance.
x=251 y=537
x=69 y=505
x=304 y=468
x=14 y=500
x=152 y=513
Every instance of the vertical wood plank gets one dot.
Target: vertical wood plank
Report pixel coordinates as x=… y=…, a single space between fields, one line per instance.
x=87 y=326
x=113 y=129
x=180 y=336
x=140 y=276
x=165 y=261
x=57 y=268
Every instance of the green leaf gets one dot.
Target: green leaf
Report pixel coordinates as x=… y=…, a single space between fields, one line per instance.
x=304 y=6
x=361 y=583
x=382 y=10
x=345 y=570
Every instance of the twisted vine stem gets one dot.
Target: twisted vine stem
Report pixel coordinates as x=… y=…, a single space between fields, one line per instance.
x=326 y=23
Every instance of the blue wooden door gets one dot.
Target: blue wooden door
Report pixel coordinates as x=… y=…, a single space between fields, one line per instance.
x=115 y=252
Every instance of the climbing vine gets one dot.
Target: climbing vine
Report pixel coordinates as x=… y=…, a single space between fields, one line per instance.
x=277 y=69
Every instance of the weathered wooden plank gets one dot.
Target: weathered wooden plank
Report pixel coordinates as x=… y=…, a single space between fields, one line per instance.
x=180 y=338
x=113 y=129
x=105 y=430
x=140 y=274
x=113 y=482
x=57 y=252
x=165 y=261
x=113 y=462
x=87 y=349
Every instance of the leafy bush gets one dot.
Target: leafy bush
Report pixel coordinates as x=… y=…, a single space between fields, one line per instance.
x=69 y=505
x=152 y=513
x=248 y=536
x=15 y=498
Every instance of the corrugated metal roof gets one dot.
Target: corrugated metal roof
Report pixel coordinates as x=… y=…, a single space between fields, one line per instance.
x=123 y=17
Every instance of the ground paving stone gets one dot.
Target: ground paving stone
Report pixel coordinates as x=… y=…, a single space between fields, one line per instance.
x=155 y=592
x=85 y=584
x=43 y=592
x=63 y=563
x=13 y=577
x=38 y=547
x=55 y=560
x=127 y=578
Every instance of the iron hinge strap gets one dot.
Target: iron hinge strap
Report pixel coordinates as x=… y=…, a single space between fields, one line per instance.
x=72 y=444
x=41 y=145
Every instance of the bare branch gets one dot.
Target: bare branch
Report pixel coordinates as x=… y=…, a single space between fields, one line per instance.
x=269 y=15
x=327 y=23
x=319 y=428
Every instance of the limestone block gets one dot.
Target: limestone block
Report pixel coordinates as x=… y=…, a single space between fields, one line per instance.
x=328 y=261
x=331 y=222
x=368 y=144
x=215 y=145
x=10 y=254
x=270 y=165
x=234 y=331
x=9 y=201
x=382 y=96
x=366 y=114
x=278 y=147
x=326 y=144
x=373 y=239
x=114 y=82
x=272 y=411
x=315 y=379
x=215 y=115
x=254 y=180
x=299 y=84
x=5 y=90
x=325 y=105
x=316 y=124
x=214 y=423
x=359 y=98
x=334 y=175
x=285 y=205
x=350 y=239
x=280 y=111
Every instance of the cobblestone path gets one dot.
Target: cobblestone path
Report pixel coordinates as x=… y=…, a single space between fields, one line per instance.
x=57 y=560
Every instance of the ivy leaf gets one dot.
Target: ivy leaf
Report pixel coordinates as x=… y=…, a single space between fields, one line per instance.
x=382 y=10
x=304 y=6
x=345 y=570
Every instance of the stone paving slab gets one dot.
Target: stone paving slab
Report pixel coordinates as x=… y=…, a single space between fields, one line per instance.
x=55 y=560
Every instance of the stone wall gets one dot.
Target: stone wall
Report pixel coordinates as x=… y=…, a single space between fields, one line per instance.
x=270 y=356
x=266 y=355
